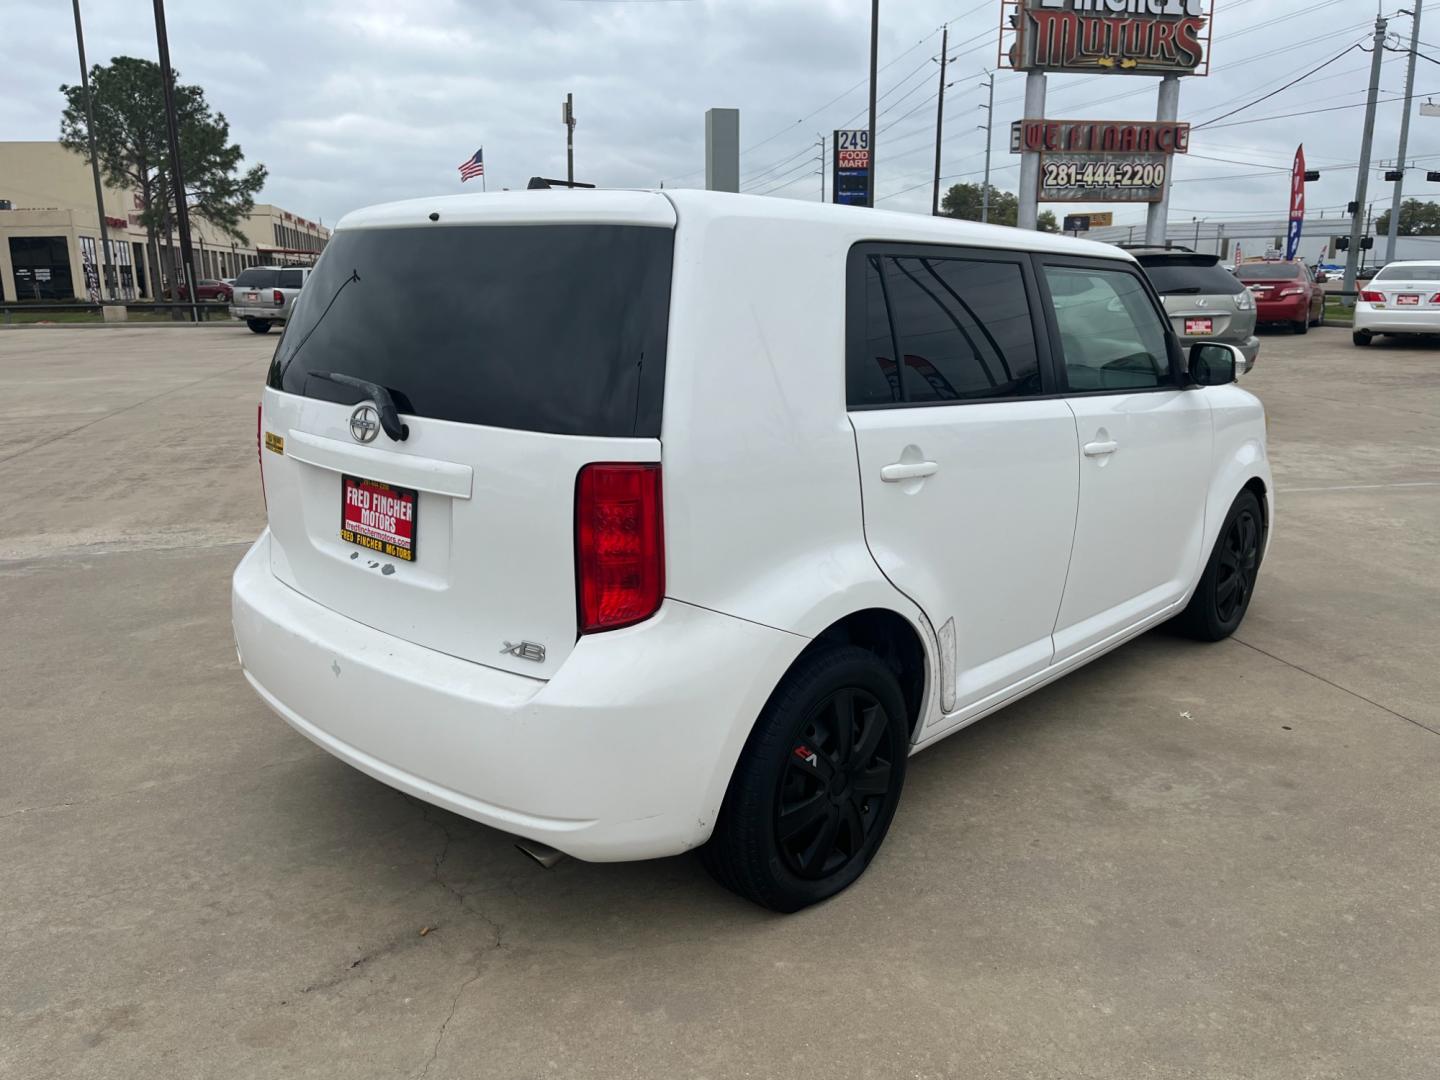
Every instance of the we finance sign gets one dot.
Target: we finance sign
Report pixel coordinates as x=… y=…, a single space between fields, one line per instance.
x=1120 y=37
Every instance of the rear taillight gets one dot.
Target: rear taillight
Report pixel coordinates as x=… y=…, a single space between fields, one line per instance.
x=1434 y=299
x=279 y=298
x=619 y=545
x=260 y=451
x=1372 y=297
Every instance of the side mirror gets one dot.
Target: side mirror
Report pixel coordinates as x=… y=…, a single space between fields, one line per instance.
x=1213 y=363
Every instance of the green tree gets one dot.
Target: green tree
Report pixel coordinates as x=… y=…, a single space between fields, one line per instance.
x=965 y=201
x=131 y=144
x=1417 y=218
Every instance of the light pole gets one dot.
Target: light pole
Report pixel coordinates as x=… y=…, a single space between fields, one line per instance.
x=177 y=172
x=110 y=280
x=874 y=54
x=989 y=125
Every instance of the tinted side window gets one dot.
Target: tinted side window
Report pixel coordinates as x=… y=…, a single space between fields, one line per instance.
x=257 y=278
x=292 y=279
x=962 y=326
x=1110 y=334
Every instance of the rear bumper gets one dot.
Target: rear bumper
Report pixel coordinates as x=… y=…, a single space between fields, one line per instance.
x=624 y=754
x=269 y=314
x=1393 y=320
x=1291 y=309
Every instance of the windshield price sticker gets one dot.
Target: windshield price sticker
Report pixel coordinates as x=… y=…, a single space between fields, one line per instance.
x=1102 y=177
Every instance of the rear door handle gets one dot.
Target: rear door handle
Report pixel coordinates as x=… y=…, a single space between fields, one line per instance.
x=907 y=470
x=1100 y=449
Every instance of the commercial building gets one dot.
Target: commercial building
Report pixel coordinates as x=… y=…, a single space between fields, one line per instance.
x=1256 y=237
x=50 y=233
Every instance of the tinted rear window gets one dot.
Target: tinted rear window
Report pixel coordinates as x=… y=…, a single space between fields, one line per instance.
x=1192 y=276
x=1268 y=272
x=1411 y=272
x=292 y=279
x=554 y=328
x=256 y=278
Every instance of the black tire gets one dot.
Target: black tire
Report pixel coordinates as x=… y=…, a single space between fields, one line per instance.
x=1301 y=327
x=1223 y=595
x=258 y=326
x=1360 y=337
x=826 y=761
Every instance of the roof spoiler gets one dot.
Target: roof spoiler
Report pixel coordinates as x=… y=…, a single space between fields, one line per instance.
x=538 y=182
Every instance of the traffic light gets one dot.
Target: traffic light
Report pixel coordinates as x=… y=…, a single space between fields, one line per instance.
x=1394 y=174
x=1352 y=209
x=1433 y=176
x=1312 y=174
x=1342 y=243
x=1367 y=242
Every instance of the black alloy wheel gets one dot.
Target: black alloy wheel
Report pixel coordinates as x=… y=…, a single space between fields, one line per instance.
x=1227 y=585
x=836 y=786
x=817 y=784
x=1239 y=564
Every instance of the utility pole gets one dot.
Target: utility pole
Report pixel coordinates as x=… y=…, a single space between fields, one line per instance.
x=568 y=116
x=874 y=56
x=989 y=125
x=111 y=282
x=1362 y=177
x=1395 y=201
x=940 y=121
x=821 y=144
x=177 y=172
x=1157 y=215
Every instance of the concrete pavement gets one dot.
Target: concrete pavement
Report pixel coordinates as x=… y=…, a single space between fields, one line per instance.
x=1182 y=861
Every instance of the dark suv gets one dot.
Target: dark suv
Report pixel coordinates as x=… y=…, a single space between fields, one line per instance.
x=1205 y=301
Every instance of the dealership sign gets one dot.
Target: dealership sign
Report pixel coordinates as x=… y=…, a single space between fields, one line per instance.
x=1101 y=160
x=1123 y=37
x=1100 y=136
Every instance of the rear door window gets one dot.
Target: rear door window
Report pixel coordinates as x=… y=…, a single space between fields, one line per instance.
x=551 y=328
x=961 y=327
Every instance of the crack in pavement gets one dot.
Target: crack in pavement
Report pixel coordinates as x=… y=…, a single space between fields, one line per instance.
x=1337 y=686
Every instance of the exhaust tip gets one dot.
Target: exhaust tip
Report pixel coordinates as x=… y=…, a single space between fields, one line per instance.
x=543 y=854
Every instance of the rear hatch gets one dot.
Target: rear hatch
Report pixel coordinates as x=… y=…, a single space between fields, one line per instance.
x=1202 y=298
x=1406 y=287
x=256 y=287
x=520 y=337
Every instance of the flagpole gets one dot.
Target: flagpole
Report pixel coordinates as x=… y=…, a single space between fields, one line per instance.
x=482 y=168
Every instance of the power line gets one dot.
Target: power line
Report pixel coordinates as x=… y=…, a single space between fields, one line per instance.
x=1278 y=90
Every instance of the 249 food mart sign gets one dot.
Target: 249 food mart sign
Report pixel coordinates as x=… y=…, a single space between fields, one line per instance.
x=1101 y=160
x=1120 y=37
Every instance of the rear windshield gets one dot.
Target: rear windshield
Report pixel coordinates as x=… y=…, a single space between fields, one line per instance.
x=1267 y=272
x=1411 y=272
x=1194 y=275
x=258 y=278
x=553 y=328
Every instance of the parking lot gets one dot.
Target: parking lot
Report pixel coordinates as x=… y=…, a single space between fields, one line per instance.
x=1182 y=861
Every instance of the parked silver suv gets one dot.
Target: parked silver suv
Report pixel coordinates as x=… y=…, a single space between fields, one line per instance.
x=264 y=295
x=1205 y=301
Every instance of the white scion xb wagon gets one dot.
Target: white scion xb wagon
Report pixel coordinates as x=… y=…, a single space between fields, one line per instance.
x=630 y=522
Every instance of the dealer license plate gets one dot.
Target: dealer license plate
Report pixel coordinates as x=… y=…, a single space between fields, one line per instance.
x=1407 y=298
x=378 y=516
x=1199 y=327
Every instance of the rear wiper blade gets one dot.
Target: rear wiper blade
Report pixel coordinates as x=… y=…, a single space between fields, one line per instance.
x=389 y=415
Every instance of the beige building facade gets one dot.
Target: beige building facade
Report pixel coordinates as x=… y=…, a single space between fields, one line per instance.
x=50 y=244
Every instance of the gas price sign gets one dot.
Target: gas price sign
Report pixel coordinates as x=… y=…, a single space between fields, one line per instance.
x=852 y=167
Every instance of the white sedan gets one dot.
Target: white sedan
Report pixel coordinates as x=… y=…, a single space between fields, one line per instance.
x=1403 y=298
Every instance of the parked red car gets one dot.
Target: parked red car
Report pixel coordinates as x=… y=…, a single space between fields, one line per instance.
x=1285 y=292
x=207 y=289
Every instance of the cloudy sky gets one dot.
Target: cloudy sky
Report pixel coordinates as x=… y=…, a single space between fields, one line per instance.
x=351 y=102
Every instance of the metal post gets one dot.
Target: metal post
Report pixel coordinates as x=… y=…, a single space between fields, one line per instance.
x=177 y=172
x=874 y=57
x=1029 y=213
x=1395 y=201
x=939 y=122
x=1362 y=177
x=989 y=108
x=112 y=283
x=821 y=143
x=570 y=139
x=1167 y=108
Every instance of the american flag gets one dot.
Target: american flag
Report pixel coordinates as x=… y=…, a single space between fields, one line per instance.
x=473 y=166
